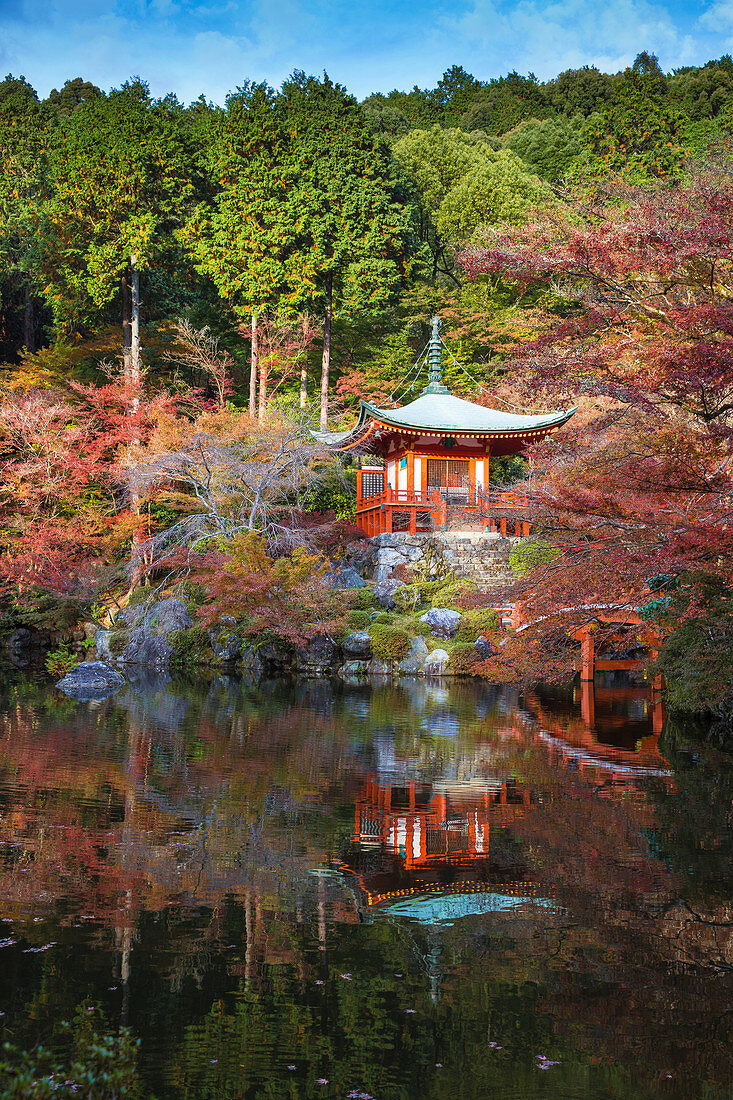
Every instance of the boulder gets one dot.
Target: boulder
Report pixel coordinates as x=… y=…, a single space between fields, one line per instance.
x=344 y=576
x=130 y=616
x=442 y=621
x=319 y=655
x=225 y=643
x=484 y=647
x=357 y=647
x=353 y=670
x=147 y=645
x=165 y=616
x=91 y=680
x=274 y=660
x=384 y=591
x=380 y=668
x=413 y=662
x=252 y=663
x=104 y=645
x=147 y=648
x=26 y=638
x=435 y=664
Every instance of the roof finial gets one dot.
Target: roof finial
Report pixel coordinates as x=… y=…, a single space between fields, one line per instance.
x=435 y=385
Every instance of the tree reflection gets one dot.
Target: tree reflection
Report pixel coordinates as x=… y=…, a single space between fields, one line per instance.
x=363 y=883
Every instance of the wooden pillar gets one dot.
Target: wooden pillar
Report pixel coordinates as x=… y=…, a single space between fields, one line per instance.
x=659 y=714
x=472 y=481
x=387 y=525
x=525 y=530
x=502 y=526
x=587 y=656
x=359 y=497
x=411 y=492
x=588 y=703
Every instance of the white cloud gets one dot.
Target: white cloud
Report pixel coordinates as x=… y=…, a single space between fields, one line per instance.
x=211 y=46
x=545 y=36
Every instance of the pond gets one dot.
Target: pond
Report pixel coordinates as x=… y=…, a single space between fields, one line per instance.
x=423 y=890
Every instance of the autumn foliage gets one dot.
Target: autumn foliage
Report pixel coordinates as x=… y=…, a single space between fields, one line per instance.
x=641 y=490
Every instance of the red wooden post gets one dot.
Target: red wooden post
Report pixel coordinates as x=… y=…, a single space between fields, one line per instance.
x=587 y=655
x=525 y=530
x=472 y=481
x=502 y=526
x=389 y=496
x=517 y=528
x=411 y=492
x=588 y=703
x=359 y=497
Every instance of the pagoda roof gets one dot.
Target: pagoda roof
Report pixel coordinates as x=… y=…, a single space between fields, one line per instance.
x=445 y=414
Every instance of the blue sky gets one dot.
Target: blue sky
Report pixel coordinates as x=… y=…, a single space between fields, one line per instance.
x=211 y=46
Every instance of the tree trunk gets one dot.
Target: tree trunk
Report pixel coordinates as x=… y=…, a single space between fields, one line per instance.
x=29 y=320
x=135 y=377
x=253 y=370
x=304 y=383
x=263 y=365
x=326 y=361
x=126 y=325
x=135 y=370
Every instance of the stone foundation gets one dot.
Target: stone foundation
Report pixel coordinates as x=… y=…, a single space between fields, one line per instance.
x=479 y=556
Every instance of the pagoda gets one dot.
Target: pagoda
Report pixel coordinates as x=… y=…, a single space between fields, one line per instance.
x=435 y=454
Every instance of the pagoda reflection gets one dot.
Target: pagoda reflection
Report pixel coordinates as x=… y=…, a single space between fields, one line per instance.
x=414 y=837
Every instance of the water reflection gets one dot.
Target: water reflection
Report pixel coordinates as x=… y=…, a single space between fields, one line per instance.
x=405 y=890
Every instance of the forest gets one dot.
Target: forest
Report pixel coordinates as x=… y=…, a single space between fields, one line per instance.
x=185 y=291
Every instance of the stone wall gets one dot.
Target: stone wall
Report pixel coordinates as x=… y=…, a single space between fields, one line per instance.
x=479 y=556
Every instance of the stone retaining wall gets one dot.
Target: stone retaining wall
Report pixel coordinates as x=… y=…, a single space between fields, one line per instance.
x=479 y=556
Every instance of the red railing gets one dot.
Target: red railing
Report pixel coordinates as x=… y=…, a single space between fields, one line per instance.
x=377 y=512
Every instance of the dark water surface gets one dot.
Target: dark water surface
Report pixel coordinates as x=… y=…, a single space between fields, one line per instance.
x=389 y=891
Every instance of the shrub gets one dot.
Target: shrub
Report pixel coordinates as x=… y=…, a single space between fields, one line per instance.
x=97 y=1063
x=61 y=660
x=361 y=599
x=427 y=590
x=452 y=595
x=389 y=643
x=140 y=596
x=191 y=646
x=386 y=617
x=118 y=640
x=423 y=629
x=463 y=659
x=480 y=620
x=359 y=620
x=528 y=554
x=407 y=598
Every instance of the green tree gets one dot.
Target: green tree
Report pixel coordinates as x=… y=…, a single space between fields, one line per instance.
x=462 y=183
x=248 y=237
x=549 y=146
x=352 y=222
x=73 y=94
x=579 y=91
x=637 y=131
x=454 y=94
x=506 y=102
x=701 y=93
x=25 y=134
x=122 y=172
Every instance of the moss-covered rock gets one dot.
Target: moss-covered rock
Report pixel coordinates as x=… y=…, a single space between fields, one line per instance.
x=389 y=643
x=478 y=621
x=191 y=646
